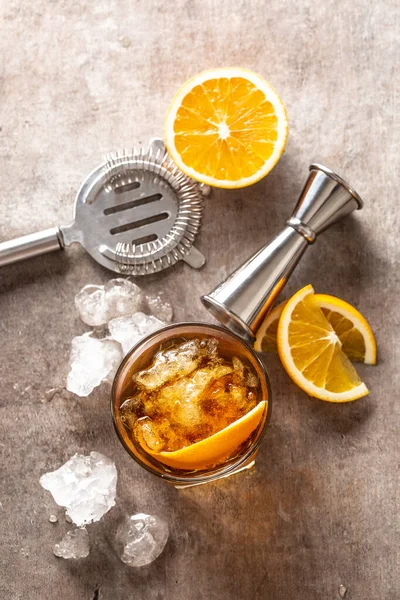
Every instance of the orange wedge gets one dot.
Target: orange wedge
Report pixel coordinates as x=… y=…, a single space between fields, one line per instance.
x=226 y=128
x=215 y=448
x=311 y=352
x=352 y=329
x=266 y=335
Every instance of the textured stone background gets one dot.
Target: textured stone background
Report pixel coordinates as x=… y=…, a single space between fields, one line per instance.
x=322 y=506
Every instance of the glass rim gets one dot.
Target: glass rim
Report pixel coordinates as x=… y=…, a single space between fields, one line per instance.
x=217 y=472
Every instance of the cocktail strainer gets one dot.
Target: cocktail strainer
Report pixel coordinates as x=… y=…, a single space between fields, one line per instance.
x=137 y=213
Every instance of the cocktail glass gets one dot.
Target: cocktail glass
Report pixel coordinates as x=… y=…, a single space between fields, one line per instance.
x=139 y=358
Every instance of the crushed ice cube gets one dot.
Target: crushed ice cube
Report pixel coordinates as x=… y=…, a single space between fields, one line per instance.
x=92 y=361
x=75 y=544
x=168 y=364
x=238 y=366
x=98 y=304
x=187 y=394
x=148 y=430
x=252 y=380
x=141 y=538
x=130 y=329
x=181 y=400
x=84 y=485
x=160 y=308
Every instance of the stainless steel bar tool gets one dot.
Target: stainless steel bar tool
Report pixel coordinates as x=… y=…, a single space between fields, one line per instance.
x=242 y=301
x=137 y=213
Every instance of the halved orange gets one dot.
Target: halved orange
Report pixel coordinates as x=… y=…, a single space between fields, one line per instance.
x=311 y=351
x=215 y=448
x=352 y=329
x=226 y=128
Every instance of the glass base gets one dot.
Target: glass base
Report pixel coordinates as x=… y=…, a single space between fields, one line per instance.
x=249 y=465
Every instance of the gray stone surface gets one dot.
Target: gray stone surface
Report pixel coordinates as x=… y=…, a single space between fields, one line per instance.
x=321 y=508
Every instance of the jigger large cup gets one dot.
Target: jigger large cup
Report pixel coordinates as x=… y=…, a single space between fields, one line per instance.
x=242 y=301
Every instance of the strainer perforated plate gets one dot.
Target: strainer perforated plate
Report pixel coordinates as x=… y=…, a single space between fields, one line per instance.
x=138 y=213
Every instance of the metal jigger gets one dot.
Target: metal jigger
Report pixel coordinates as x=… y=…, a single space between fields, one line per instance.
x=242 y=301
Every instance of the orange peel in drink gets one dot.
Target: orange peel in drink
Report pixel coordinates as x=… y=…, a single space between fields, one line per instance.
x=217 y=447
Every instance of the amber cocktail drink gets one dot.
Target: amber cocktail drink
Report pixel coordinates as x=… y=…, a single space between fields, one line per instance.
x=190 y=403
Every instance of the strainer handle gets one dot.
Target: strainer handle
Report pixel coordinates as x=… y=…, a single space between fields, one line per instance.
x=30 y=245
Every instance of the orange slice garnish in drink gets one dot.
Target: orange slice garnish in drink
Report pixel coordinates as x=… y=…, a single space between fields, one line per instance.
x=217 y=447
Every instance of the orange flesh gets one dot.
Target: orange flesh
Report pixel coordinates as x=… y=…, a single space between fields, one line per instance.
x=314 y=353
x=226 y=128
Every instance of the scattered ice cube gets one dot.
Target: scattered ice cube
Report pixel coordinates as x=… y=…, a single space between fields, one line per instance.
x=160 y=308
x=75 y=544
x=53 y=518
x=92 y=361
x=98 y=304
x=129 y=330
x=90 y=304
x=85 y=485
x=141 y=538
